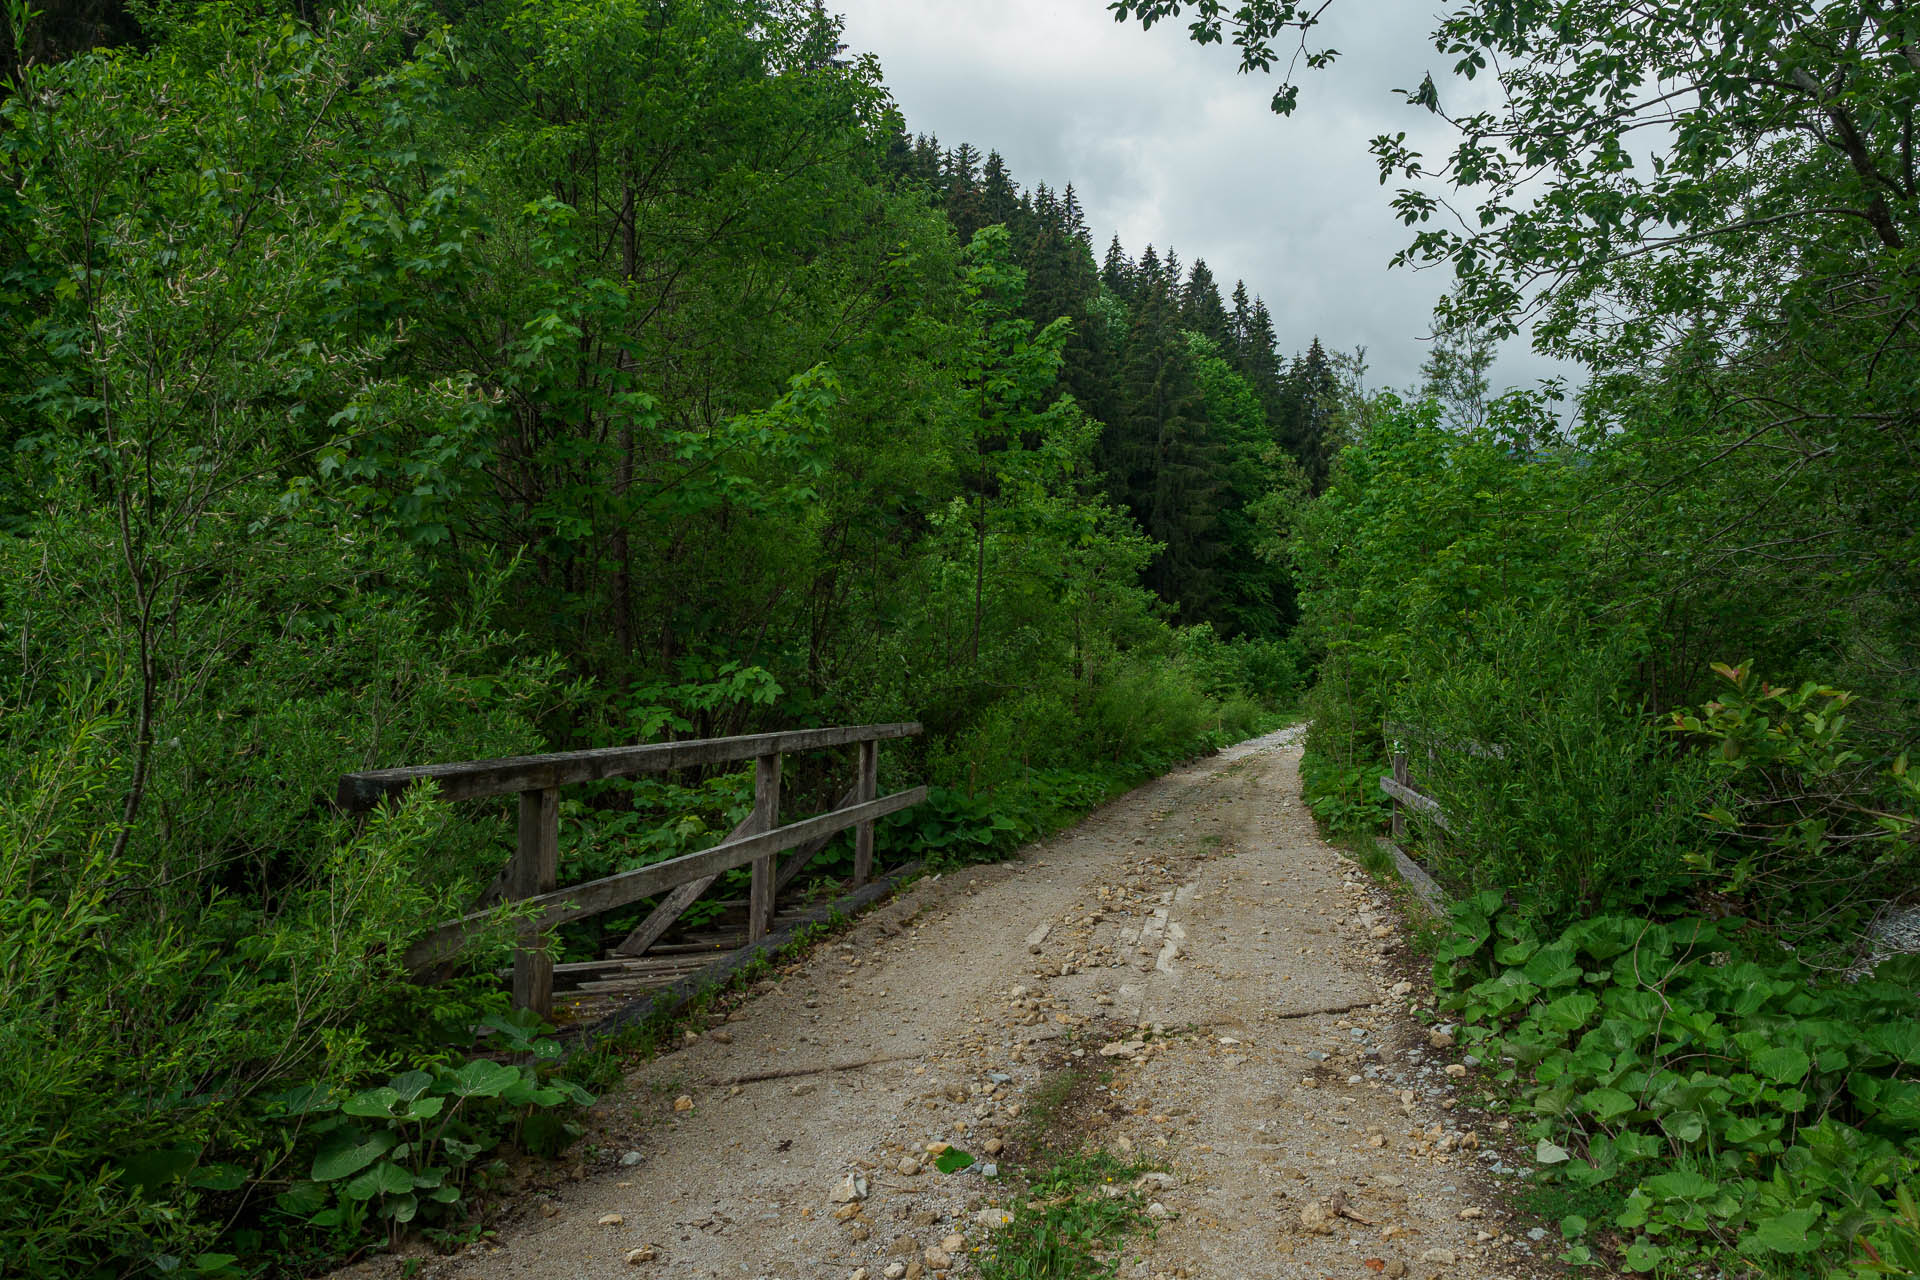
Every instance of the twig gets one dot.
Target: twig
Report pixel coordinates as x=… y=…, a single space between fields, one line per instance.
x=1341 y=1209
x=788 y=1073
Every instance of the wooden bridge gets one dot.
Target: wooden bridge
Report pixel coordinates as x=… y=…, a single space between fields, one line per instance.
x=531 y=877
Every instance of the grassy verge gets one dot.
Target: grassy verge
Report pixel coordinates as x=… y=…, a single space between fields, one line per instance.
x=1074 y=1208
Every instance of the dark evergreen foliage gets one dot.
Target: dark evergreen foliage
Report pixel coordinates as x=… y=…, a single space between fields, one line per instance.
x=1186 y=452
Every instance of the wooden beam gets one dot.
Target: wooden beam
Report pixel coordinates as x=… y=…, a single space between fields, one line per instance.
x=475 y=779
x=617 y=890
x=536 y=869
x=864 y=790
x=804 y=853
x=766 y=816
x=675 y=904
x=1414 y=800
x=725 y=967
x=1422 y=884
x=1401 y=776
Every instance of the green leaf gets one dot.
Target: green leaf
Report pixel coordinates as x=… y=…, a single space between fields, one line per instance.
x=1553 y=967
x=384 y=1179
x=952 y=1160
x=1608 y=1104
x=218 y=1177
x=372 y=1103
x=1643 y=1255
x=1782 y=1064
x=1569 y=1012
x=1790 y=1232
x=1551 y=1153
x=1682 y=1184
x=482 y=1078
x=1684 y=1126
x=410 y=1085
x=303 y=1198
x=348 y=1152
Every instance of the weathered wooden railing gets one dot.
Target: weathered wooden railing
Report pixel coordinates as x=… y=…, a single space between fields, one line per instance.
x=1400 y=788
x=1405 y=795
x=531 y=878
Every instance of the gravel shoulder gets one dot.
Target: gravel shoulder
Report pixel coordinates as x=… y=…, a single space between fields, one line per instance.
x=1227 y=976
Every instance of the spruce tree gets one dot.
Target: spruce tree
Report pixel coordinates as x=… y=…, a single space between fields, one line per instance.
x=962 y=201
x=1074 y=219
x=1162 y=461
x=1239 y=326
x=1256 y=356
x=999 y=199
x=1201 y=310
x=1116 y=274
x=1311 y=388
x=929 y=159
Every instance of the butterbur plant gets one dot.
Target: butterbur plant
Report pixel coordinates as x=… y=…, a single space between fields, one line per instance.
x=408 y=1150
x=1729 y=1103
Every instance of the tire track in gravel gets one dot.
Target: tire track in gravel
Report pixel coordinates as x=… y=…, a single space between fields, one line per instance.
x=1195 y=940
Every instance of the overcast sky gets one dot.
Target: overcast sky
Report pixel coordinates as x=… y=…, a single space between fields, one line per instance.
x=1167 y=144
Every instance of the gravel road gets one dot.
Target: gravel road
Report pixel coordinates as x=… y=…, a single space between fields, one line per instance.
x=1231 y=976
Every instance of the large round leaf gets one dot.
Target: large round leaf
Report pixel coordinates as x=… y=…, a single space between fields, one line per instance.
x=349 y=1151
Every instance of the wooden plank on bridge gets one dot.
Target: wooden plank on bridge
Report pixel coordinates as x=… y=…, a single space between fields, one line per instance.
x=535 y=870
x=675 y=904
x=766 y=817
x=595 y=896
x=475 y=779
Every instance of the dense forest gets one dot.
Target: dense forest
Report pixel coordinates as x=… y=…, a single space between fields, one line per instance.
x=396 y=382
x=390 y=385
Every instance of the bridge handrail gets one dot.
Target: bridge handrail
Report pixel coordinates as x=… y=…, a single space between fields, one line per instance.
x=533 y=874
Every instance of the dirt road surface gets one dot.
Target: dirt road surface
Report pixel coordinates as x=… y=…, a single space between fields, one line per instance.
x=1223 y=981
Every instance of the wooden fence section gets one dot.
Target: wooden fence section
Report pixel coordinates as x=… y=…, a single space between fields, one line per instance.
x=1405 y=795
x=1400 y=788
x=531 y=878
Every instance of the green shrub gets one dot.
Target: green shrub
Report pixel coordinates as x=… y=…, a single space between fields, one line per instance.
x=1271 y=672
x=135 y=1048
x=1146 y=708
x=1555 y=783
x=1803 y=823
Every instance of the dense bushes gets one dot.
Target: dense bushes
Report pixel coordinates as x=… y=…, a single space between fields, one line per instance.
x=1666 y=862
x=1587 y=802
x=1488 y=589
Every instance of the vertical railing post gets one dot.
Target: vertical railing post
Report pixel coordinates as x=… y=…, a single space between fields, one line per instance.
x=1401 y=776
x=766 y=816
x=536 y=869
x=866 y=789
